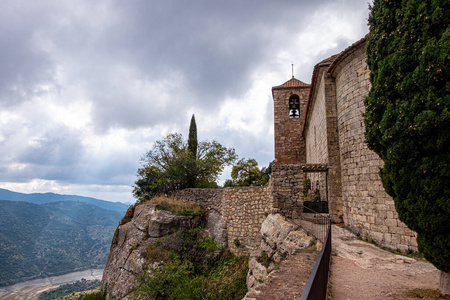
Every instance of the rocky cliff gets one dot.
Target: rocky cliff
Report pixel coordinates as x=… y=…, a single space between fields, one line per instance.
x=130 y=249
x=146 y=239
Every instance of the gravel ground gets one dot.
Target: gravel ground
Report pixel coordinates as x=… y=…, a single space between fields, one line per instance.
x=361 y=270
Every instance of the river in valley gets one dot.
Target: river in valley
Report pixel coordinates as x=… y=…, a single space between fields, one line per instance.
x=31 y=289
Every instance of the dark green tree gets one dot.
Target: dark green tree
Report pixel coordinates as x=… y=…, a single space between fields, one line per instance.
x=247 y=173
x=192 y=140
x=192 y=147
x=169 y=166
x=407 y=115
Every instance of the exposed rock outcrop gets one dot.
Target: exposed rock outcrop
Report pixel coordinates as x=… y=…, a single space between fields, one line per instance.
x=280 y=238
x=127 y=258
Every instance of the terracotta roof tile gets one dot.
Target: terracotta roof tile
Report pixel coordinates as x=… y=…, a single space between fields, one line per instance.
x=293 y=82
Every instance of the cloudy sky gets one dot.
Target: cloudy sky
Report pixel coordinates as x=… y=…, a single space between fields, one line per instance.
x=86 y=87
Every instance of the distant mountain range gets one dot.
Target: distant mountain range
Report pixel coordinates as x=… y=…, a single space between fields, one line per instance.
x=39 y=198
x=44 y=235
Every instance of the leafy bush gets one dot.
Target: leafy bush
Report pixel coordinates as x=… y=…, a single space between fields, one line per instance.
x=226 y=279
x=208 y=244
x=306 y=186
x=192 y=267
x=128 y=215
x=237 y=242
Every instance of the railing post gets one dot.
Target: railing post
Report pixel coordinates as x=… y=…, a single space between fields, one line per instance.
x=316 y=287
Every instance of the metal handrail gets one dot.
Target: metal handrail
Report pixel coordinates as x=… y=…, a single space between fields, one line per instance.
x=320 y=222
x=316 y=287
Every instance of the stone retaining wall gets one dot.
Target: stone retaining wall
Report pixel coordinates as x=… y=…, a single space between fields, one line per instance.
x=243 y=208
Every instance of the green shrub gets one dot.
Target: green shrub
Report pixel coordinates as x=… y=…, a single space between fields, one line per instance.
x=237 y=242
x=94 y=296
x=157 y=253
x=128 y=215
x=225 y=279
x=306 y=186
x=208 y=244
x=191 y=269
x=264 y=259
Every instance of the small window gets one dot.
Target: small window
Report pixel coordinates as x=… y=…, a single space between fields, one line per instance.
x=294 y=106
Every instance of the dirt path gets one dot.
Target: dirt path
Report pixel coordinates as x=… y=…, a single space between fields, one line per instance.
x=361 y=270
x=288 y=281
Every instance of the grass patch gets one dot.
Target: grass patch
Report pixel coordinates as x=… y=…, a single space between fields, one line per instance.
x=263 y=259
x=176 y=206
x=156 y=253
x=312 y=247
x=128 y=215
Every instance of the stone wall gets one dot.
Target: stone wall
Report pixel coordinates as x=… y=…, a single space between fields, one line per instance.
x=243 y=208
x=322 y=142
x=368 y=210
x=316 y=135
x=287 y=181
x=317 y=139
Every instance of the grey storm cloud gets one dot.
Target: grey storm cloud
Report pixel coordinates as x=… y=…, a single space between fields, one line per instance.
x=24 y=66
x=137 y=66
x=211 y=46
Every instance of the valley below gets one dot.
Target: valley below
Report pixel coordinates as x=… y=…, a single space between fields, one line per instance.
x=31 y=289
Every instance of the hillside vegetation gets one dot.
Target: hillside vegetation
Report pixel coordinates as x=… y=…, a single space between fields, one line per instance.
x=52 y=239
x=42 y=198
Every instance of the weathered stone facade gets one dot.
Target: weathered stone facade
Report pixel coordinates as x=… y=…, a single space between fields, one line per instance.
x=333 y=134
x=367 y=208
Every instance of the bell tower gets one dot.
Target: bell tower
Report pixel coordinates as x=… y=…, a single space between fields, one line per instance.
x=290 y=104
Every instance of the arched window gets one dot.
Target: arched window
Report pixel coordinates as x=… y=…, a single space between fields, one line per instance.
x=294 y=106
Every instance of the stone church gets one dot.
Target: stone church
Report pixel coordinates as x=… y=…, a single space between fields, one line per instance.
x=319 y=134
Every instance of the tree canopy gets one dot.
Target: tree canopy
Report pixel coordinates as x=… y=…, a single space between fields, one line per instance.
x=170 y=165
x=247 y=173
x=407 y=115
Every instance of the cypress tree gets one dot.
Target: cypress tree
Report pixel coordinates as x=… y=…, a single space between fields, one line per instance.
x=407 y=115
x=192 y=153
x=192 y=140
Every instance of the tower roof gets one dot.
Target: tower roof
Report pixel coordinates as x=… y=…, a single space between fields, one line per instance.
x=293 y=82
